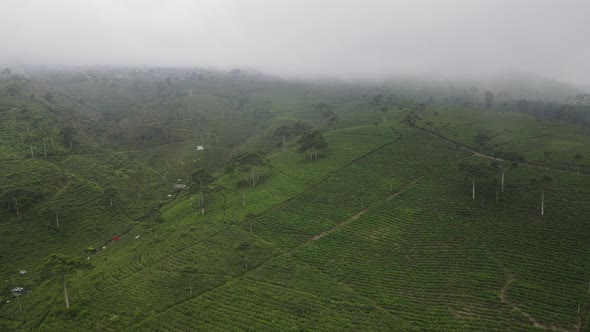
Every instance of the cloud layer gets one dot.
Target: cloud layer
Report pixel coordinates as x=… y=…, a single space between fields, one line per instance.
x=307 y=38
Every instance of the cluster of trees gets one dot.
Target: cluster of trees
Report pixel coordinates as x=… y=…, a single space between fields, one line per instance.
x=494 y=173
x=382 y=104
x=6 y=74
x=483 y=138
x=311 y=141
x=247 y=163
x=19 y=199
x=314 y=142
x=579 y=113
x=285 y=132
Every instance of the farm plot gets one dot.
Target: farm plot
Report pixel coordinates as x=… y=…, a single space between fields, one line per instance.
x=541 y=142
x=442 y=261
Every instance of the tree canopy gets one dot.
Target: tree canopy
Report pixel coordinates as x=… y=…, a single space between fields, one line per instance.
x=202 y=177
x=312 y=141
x=483 y=138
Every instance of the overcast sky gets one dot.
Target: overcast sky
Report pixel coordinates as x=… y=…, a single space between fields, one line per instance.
x=301 y=38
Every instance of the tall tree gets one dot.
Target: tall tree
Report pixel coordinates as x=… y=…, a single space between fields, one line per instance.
x=506 y=161
x=283 y=132
x=489 y=98
x=542 y=182
x=68 y=134
x=483 y=138
x=61 y=266
x=248 y=161
x=329 y=118
x=474 y=172
x=202 y=178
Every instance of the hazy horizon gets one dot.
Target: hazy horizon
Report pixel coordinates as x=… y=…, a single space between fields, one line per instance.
x=307 y=39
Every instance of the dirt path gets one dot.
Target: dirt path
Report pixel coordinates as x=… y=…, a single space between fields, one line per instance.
x=483 y=155
x=504 y=299
x=331 y=230
x=353 y=218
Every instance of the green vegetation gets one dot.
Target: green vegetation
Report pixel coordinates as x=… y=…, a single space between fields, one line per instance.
x=201 y=200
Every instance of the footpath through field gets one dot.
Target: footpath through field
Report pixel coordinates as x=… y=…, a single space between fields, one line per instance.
x=353 y=218
x=483 y=155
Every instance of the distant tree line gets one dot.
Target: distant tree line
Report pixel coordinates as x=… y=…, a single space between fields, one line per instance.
x=579 y=114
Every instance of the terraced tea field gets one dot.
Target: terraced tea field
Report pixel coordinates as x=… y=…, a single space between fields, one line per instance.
x=380 y=233
x=540 y=141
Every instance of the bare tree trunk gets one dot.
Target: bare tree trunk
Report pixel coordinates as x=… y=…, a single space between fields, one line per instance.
x=503 y=171
x=253 y=179
x=44 y=150
x=31 y=146
x=543 y=202
x=52 y=142
x=202 y=204
x=20 y=307
x=66 y=296
x=56 y=220
x=284 y=143
x=473 y=188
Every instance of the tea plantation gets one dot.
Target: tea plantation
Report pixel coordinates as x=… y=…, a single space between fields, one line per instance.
x=393 y=220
